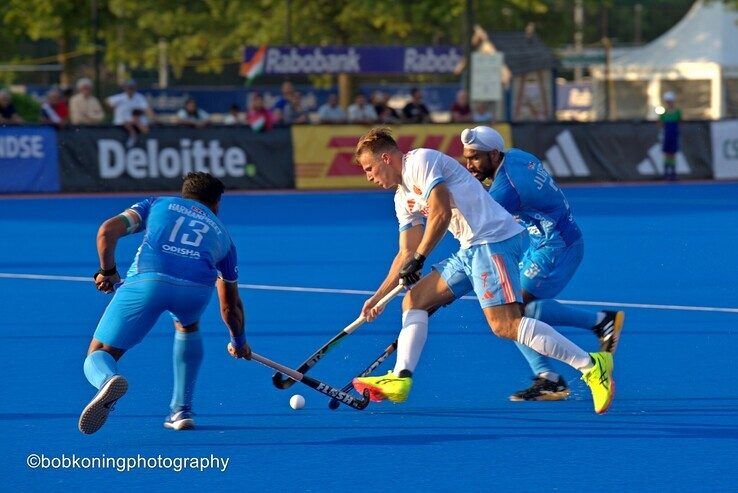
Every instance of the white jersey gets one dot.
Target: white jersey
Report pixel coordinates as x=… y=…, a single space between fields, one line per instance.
x=476 y=218
x=123 y=107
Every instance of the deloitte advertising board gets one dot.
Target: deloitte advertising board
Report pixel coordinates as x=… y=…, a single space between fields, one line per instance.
x=98 y=159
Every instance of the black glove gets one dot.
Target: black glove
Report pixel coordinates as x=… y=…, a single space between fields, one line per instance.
x=411 y=271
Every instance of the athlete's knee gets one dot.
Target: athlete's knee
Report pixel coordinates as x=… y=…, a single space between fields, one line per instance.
x=419 y=299
x=507 y=329
x=504 y=320
x=96 y=345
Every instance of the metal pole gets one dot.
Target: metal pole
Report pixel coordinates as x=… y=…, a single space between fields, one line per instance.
x=96 y=46
x=578 y=36
x=288 y=23
x=468 y=29
x=637 y=19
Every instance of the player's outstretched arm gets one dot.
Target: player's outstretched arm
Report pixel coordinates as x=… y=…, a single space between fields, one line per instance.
x=231 y=310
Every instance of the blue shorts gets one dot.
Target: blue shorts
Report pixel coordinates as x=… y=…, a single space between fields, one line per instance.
x=491 y=270
x=545 y=271
x=138 y=303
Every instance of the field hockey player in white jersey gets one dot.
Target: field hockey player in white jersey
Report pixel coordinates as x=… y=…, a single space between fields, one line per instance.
x=434 y=194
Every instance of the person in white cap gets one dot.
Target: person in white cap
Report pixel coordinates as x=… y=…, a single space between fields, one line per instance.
x=524 y=188
x=84 y=107
x=669 y=127
x=435 y=193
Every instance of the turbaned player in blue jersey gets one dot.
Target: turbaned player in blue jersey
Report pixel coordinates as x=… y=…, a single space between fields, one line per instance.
x=185 y=251
x=521 y=185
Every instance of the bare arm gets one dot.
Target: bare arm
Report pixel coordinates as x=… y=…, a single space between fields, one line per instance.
x=108 y=235
x=107 y=238
x=439 y=217
x=232 y=313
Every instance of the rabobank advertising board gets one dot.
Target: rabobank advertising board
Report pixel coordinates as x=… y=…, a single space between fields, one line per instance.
x=276 y=60
x=28 y=159
x=100 y=159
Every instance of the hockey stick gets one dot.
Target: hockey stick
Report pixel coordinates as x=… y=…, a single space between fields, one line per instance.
x=323 y=388
x=333 y=404
x=282 y=383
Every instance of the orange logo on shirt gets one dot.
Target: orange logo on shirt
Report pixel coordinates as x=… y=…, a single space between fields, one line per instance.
x=487 y=295
x=417 y=190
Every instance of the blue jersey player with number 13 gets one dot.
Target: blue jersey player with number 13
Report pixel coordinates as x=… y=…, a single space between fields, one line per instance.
x=185 y=248
x=522 y=186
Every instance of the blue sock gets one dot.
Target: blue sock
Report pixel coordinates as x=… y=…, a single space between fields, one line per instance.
x=538 y=362
x=186 y=358
x=557 y=315
x=99 y=367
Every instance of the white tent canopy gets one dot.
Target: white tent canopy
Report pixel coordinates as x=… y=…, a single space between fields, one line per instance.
x=696 y=59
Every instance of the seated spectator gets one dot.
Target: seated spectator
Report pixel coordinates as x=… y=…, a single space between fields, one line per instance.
x=8 y=113
x=279 y=106
x=191 y=115
x=460 y=110
x=330 y=112
x=124 y=104
x=361 y=111
x=415 y=111
x=482 y=113
x=258 y=117
x=385 y=113
x=294 y=112
x=54 y=110
x=234 y=116
x=84 y=108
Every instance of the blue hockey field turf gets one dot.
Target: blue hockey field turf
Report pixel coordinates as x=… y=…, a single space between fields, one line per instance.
x=663 y=253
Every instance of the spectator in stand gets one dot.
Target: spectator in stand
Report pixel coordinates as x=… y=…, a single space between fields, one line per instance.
x=191 y=115
x=234 y=116
x=84 y=108
x=460 y=110
x=294 y=112
x=415 y=111
x=385 y=113
x=258 y=117
x=124 y=104
x=282 y=102
x=361 y=111
x=330 y=112
x=8 y=113
x=54 y=111
x=482 y=113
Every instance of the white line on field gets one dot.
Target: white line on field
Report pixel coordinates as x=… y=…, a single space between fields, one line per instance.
x=299 y=289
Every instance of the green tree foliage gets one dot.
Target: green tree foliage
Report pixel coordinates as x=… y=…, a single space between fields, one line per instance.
x=207 y=34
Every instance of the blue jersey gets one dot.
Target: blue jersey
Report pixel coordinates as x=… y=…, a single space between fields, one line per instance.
x=526 y=190
x=183 y=239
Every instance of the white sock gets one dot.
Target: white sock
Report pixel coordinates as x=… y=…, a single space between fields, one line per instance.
x=542 y=338
x=411 y=340
x=550 y=376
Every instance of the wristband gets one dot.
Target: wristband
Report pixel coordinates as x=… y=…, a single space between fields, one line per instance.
x=105 y=272
x=238 y=341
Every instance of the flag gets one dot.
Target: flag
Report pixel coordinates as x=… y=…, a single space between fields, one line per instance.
x=254 y=67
